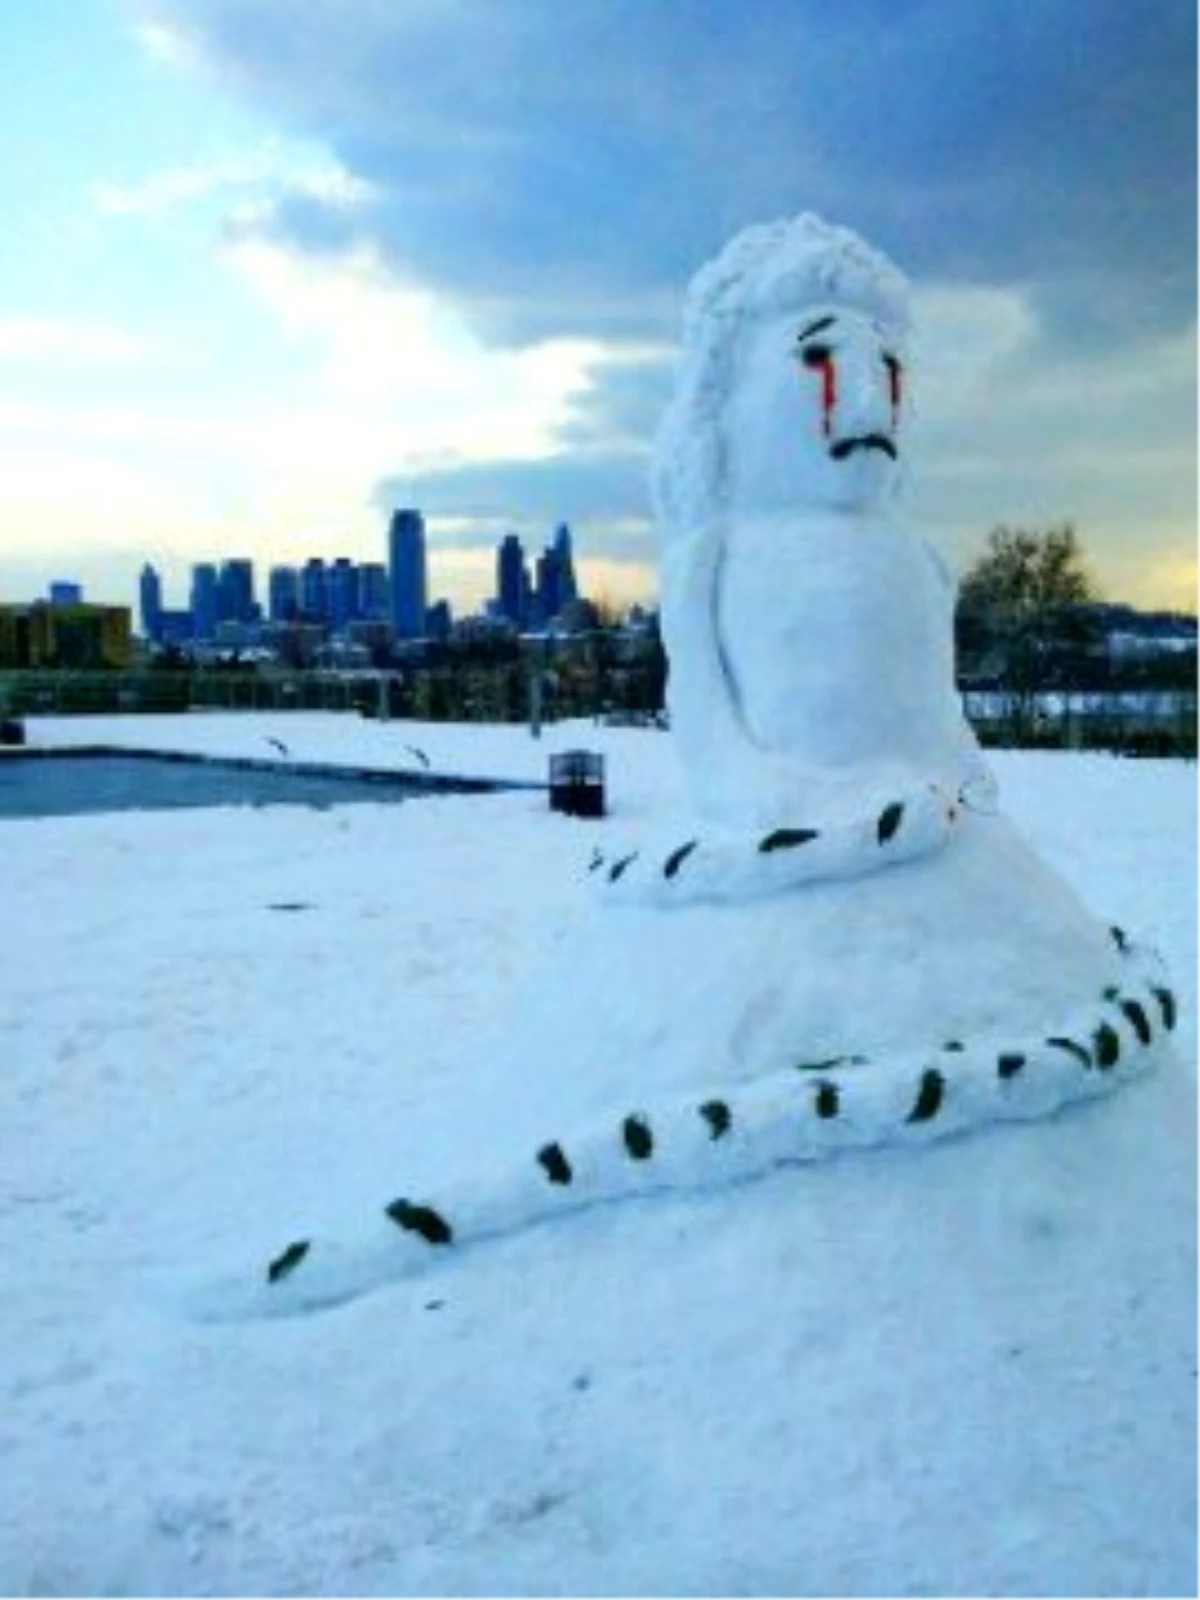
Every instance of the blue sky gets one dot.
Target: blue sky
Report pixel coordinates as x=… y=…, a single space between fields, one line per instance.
x=272 y=268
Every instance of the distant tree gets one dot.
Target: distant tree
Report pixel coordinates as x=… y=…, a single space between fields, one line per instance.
x=1023 y=609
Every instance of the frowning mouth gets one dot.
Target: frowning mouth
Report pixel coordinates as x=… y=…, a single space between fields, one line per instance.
x=862 y=441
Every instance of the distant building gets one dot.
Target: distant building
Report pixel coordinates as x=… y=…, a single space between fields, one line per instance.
x=439 y=621
x=63 y=592
x=406 y=559
x=283 y=594
x=204 y=608
x=545 y=601
x=577 y=616
x=47 y=634
x=314 y=590
x=373 y=637
x=556 y=585
x=175 y=627
x=373 y=592
x=297 y=644
x=512 y=580
x=343 y=593
x=151 y=606
x=235 y=592
x=240 y=637
x=568 y=589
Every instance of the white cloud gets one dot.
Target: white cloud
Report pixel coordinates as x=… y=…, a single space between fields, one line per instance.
x=373 y=380
x=397 y=377
x=270 y=168
x=73 y=341
x=168 y=43
x=965 y=336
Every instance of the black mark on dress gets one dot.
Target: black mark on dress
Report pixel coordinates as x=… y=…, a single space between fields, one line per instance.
x=288 y=1261
x=434 y=1229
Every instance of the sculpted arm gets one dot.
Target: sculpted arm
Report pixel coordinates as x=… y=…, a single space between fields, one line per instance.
x=977 y=780
x=733 y=778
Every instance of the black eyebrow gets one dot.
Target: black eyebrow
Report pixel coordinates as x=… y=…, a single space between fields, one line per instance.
x=818 y=326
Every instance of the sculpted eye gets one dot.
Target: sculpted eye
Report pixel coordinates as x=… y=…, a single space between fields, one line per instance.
x=816 y=355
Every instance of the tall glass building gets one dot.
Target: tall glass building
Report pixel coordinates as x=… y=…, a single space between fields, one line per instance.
x=343 y=592
x=283 y=594
x=204 y=608
x=235 y=591
x=374 y=594
x=512 y=580
x=406 y=562
x=568 y=589
x=150 y=592
x=314 y=590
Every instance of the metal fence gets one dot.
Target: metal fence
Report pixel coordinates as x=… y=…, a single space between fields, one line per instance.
x=80 y=693
x=1130 y=722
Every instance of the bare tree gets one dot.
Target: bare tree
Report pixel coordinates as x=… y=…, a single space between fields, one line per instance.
x=1021 y=606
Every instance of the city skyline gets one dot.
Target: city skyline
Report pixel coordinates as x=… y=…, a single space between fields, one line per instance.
x=336 y=591
x=178 y=581
x=256 y=306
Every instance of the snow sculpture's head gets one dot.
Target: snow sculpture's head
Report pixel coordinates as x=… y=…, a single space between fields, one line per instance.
x=790 y=394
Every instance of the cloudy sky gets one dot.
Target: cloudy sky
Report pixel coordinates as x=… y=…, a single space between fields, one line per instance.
x=272 y=267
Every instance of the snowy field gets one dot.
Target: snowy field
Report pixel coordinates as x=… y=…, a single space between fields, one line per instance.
x=222 y=1028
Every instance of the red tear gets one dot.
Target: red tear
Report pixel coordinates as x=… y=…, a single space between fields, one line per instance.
x=828 y=394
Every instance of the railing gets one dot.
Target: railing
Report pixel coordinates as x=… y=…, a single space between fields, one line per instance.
x=1131 y=722
x=80 y=693
x=1156 y=722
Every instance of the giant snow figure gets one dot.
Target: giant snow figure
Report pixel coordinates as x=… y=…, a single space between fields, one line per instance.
x=809 y=630
x=843 y=943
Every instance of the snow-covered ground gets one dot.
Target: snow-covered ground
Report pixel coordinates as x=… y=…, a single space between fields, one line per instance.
x=468 y=750
x=951 y=1370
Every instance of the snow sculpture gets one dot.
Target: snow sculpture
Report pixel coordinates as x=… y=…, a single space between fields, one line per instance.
x=809 y=631
x=810 y=637
x=845 y=944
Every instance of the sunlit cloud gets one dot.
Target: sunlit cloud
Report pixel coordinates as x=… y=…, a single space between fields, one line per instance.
x=385 y=381
x=402 y=369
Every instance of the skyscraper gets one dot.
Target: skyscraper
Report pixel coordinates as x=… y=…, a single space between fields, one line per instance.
x=235 y=591
x=406 y=560
x=343 y=592
x=556 y=586
x=150 y=594
x=568 y=590
x=512 y=580
x=373 y=592
x=283 y=594
x=439 y=620
x=314 y=595
x=204 y=600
